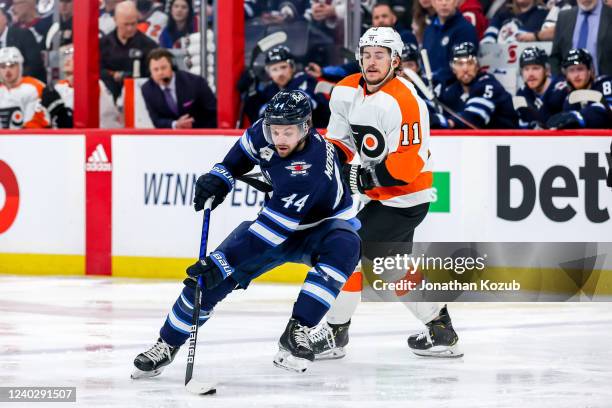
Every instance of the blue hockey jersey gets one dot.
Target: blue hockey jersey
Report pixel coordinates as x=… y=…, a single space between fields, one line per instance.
x=541 y=107
x=486 y=105
x=594 y=115
x=307 y=189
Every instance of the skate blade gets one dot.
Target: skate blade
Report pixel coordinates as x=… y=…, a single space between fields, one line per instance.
x=331 y=354
x=289 y=362
x=138 y=374
x=440 y=352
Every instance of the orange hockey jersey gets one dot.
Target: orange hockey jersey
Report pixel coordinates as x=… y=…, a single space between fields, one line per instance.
x=389 y=128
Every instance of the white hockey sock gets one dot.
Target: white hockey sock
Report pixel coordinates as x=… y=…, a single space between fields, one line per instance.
x=425 y=311
x=343 y=308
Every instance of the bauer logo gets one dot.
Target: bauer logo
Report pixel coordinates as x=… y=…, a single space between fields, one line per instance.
x=441 y=187
x=98 y=160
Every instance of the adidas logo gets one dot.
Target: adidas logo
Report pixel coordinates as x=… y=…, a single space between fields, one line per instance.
x=98 y=160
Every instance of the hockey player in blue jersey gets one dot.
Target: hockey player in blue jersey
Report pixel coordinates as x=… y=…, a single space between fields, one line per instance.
x=476 y=96
x=589 y=101
x=281 y=68
x=541 y=96
x=309 y=219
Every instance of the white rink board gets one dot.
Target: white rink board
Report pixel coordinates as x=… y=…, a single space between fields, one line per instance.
x=168 y=226
x=50 y=172
x=472 y=162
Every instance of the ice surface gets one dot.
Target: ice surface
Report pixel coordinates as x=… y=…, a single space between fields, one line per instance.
x=85 y=332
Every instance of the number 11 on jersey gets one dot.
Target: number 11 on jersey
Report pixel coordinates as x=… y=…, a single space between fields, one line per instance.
x=416 y=137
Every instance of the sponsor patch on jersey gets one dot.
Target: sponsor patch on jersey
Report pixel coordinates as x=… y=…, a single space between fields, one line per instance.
x=298 y=168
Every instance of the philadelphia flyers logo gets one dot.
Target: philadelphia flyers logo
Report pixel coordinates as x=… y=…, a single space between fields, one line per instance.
x=11 y=118
x=369 y=141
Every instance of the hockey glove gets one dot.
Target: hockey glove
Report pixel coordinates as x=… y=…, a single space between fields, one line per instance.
x=565 y=120
x=216 y=184
x=358 y=178
x=246 y=80
x=213 y=269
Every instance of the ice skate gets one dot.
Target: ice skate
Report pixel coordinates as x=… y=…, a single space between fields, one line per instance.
x=328 y=340
x=152 y=362
x=295 y=348
x=438 y=340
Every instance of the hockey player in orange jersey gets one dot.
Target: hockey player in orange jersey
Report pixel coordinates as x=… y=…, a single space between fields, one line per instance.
x=380 y=118
x=19 y=95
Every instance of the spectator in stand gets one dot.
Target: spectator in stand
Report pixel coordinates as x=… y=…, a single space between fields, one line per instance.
x=382 y=16
x=181 y=23
x=541 y=95
x=59 y=100
x=519 y=20
x=547 y=32
x=123 y=49
x=487 y=105
x=584 y=110
x=589 y=25
x=151 y=19
x=20 y=95
x=447 y=29
x=473 y=12
x=26 y=16
x=106 y=22
x=280 y=66
x=422 y=15
x=62 y=28
x=281 y=11
x=177 y=99
x=23 y=39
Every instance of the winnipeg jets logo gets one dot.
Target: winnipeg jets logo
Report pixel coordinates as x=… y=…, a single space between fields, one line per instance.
x=266 y=153
x=296 y=96
x=299 y=168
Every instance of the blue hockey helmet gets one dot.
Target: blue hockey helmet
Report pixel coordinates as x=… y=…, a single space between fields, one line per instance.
x=288 y=108
x=464 y=50
x=278 y=54
x=410 y=52
x=577 y=56
x=533 y=56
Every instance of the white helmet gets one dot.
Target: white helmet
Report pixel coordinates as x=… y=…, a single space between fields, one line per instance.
x=10 y=55
x=381 y=37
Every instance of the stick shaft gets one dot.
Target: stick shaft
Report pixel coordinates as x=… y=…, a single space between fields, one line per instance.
x=193 y=332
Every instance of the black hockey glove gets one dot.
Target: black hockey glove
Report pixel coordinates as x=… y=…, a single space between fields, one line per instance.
x=213 y=269
x=565 y=120
x=358 y=178
x=216 y=184
x=245 y=81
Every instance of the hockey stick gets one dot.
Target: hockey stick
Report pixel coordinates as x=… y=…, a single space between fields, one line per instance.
x=193 y=386
x=434 y=98
x=253 y=181
x=263 y=45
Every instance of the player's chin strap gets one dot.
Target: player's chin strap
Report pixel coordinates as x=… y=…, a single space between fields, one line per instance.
x=381 y=82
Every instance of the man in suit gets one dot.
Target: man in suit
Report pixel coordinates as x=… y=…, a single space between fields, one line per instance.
x=589 y=26
x=177 y=99
x=24 y=40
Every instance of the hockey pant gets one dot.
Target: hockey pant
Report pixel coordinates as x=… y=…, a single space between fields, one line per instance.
x=383 y=224
x=331 y=249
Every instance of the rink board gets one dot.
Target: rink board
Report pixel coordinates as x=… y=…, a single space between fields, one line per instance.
x=128 y=214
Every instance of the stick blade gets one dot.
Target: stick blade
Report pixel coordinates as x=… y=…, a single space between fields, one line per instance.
x=200 y=388
x=272 y=40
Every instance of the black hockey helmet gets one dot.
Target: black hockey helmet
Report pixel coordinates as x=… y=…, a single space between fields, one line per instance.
x=279 y=54
x=410 y=52
x=577 y=56
x=464 y=50
x=288 y=108
x=533 y=56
